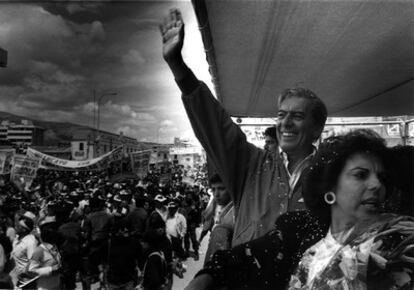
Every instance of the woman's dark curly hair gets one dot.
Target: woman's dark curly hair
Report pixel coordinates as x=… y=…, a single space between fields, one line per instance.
x=322 y=174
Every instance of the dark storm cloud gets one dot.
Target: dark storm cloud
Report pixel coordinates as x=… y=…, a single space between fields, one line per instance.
x=13 y=77
x=61 y=52
x=77 y=11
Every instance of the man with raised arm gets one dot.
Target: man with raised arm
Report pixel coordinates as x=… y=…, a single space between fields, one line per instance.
x=263 y=184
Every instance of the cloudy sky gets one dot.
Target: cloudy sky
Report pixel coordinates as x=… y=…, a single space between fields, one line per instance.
x=59 y=53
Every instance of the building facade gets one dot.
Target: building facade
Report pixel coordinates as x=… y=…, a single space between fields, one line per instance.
x=88 y=143
x=160 y=157
x=188 y=157
x=23 y=134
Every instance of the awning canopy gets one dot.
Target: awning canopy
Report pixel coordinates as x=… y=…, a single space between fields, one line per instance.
x=358 y=56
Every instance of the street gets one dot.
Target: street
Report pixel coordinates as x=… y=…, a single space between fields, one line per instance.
x=192 y=266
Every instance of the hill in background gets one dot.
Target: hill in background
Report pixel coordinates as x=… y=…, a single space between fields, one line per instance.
x=57 y=133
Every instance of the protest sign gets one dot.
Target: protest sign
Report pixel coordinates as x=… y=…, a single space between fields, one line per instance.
x=24 y=170
x=140 y=162
x=6 y=158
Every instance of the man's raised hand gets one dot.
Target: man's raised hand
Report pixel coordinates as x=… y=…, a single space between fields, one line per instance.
x=172 y=32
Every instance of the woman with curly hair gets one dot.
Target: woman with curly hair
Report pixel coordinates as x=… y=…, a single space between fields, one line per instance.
x=344 y=241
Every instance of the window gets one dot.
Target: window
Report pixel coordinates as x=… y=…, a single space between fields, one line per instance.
x=81 y=146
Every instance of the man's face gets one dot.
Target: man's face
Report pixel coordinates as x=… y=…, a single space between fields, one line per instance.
x=270 y=143
x=295 y=128
x=220 y=193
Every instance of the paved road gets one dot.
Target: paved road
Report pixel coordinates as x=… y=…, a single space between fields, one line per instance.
x=192 y=266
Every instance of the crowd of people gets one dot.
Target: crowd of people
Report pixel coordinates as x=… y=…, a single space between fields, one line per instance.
x=79 y=226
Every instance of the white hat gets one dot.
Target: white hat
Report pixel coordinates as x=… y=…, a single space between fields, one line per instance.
x=123 y=192
x=47 y=220
x=30 y=215
x=160 y=198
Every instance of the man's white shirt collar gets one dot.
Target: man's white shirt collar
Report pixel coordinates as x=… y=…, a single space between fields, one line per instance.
x=295 y=175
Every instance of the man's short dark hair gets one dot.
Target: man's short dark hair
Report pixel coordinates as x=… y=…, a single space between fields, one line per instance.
x=271 y=132
x=319 y=111
x=215 y=178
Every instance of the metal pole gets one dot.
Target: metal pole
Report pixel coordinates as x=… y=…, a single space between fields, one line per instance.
x=94 y=125
x=94 y=109
x=99 y=106
x=99 y=115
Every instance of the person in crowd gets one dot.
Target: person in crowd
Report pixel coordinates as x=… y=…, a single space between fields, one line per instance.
x=97 y=228
x=270 y=138
x=119 y=208
x=24 y=246
x=221 y=218
x=70 y=233
x=46 y=261
x=155 y=271
x=5 y=250
x=156 y=224
x=176 y=226
x=7 y=226
x=5 y=241
x=158 y=216
x=124 y=255
x=344 y=241
x=193 y=216
x=137 y=217
x=263 y=184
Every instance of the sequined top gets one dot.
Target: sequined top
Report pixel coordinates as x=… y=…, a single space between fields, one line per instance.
x=267 y=262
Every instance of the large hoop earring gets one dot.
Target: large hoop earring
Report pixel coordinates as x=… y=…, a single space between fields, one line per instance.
x=330 y=197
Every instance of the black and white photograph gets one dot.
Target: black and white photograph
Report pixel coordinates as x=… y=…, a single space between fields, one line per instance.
x=207 y=144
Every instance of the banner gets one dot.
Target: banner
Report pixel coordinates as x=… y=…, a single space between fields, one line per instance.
x=50 y=162
x=140 y=162
x=6 y=159
x=24 y=170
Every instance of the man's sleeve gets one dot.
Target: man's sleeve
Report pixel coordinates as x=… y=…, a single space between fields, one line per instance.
x=258 y=264
x=223 y=140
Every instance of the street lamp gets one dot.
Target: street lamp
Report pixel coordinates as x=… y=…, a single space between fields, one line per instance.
x=96 y=141
x=99 y=106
